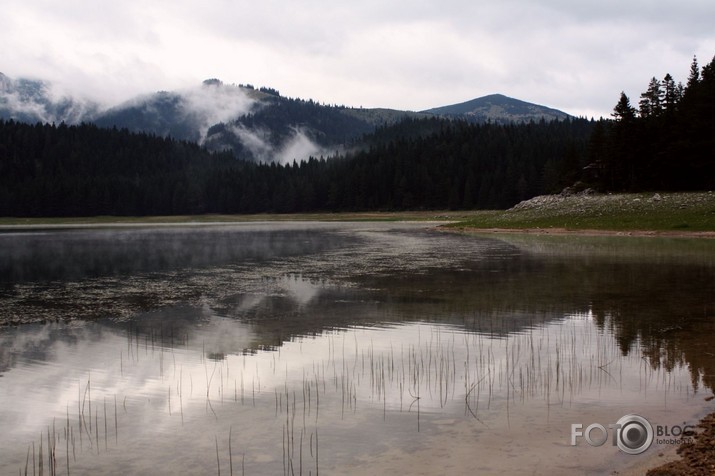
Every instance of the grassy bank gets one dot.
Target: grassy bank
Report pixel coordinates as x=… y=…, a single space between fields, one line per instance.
x=669 y=212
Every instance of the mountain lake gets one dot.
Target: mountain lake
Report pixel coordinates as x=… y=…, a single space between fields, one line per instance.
x=344 y=348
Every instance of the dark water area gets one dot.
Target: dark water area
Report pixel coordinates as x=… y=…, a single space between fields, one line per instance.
x=351 y=348
x=86 y=253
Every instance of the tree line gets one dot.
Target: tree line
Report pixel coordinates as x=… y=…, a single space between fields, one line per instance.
x=667 y=142
x=60 y=170
x=664 y=144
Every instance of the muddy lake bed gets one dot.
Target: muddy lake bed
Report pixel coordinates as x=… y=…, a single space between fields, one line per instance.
x=343 y=348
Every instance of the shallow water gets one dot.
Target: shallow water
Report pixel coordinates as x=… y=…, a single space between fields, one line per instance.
x=368 y=348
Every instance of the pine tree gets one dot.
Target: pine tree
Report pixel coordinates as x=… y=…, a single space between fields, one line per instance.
x=670 y=93
x=694 y=76
x=624 y=112
x=651 y=102
x=620 y=164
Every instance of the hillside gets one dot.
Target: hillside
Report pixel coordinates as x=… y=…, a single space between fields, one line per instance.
x=500 y=109
x=256 y=124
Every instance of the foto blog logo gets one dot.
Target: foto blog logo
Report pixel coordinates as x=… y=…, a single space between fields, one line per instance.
x=633 y=434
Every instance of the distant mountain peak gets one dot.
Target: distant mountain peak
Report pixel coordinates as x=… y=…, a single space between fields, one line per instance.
x=498 y=108
x=255 y=123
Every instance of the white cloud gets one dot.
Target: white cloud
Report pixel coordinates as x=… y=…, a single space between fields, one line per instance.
x=298 y=146
x=576 y=56
x=256 y=141
x=37 y=101
x=210 y=104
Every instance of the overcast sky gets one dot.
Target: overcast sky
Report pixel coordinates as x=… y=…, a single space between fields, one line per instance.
x=574 y=55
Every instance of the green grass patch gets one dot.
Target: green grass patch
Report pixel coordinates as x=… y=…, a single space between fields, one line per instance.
x=622 y=212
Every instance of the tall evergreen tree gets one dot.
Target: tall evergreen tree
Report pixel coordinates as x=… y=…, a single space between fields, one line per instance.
x=619 y=163
x=650 y=104
x=670 y=94
x=623 y=111
x=694 y=76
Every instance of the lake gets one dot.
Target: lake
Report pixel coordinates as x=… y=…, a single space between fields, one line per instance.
x=344 y=348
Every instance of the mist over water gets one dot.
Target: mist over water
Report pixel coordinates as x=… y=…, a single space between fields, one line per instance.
x=344 y=348
x=82 y=254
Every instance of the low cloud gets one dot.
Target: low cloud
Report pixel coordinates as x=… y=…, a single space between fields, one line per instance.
x=299 y=146
x=34 y=100
x=214 y=103
x=576 y=56
x=256 y=141
x=23 y=109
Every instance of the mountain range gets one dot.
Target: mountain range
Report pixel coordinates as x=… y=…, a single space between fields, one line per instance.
x=254 y=123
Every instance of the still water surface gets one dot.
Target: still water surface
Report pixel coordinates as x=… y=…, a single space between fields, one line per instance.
x=363 y=348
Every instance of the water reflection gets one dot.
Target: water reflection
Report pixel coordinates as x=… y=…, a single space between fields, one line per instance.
x=152 y=393
x=390 y=349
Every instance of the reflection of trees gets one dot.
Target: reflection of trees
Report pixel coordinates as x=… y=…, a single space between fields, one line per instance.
x=688 y=342
x=667 y=310
x=663 y=307
x=643 y=297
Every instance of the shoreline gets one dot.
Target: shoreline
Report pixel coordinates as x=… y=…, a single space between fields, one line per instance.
x=659 y=457
x=436 y=223
x=695 y=457
x=647 y=214
x=582 y=232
